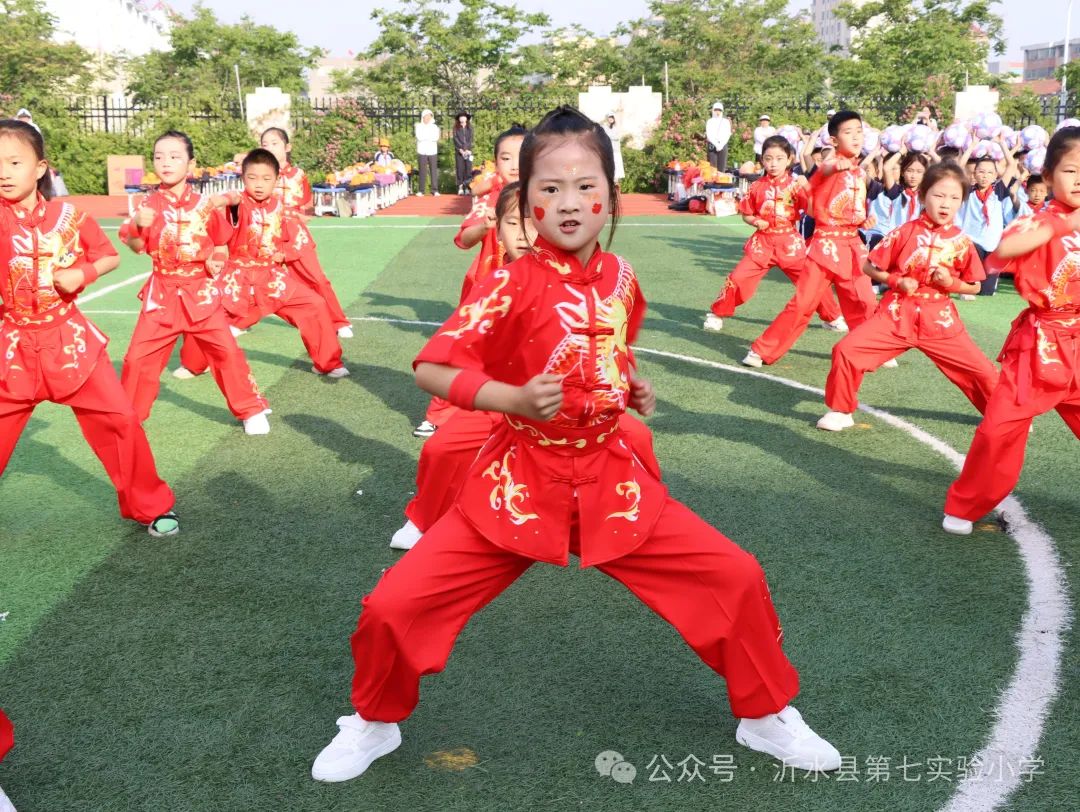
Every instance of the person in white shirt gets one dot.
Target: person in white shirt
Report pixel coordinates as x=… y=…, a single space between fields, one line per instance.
x=427 y=149
x=764 y=130
x=612 y=130
x=718 y=133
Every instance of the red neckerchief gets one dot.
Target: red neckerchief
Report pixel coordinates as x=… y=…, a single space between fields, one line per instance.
x=912 y=196
x=566 y=265
x=984 y=196
x=1057 y=207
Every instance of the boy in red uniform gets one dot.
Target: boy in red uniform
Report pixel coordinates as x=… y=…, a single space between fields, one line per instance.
x=49 y=252
x=836 y=253
x=772 y=206
x=1040 y=361
x=479 y=227
x=257 y=281
x=295 y=192
x=557 y=477
x=922 y=262
x=179 y=229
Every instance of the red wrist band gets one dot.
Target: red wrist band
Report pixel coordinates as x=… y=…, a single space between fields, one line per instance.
x=464 y=387
x=90 y=275
x=894 y=277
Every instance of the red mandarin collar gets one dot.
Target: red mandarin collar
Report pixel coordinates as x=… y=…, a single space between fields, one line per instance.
x=266 y=205
x=1057 y=207
x=566 y=265
x=947 y=230
x=32 y=216
x=177 y=199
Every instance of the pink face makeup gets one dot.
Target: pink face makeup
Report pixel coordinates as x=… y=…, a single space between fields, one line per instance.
x=597 y=208
x=538 y=212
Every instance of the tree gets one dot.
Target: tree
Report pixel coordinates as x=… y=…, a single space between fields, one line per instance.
x=723 y=48
x=32 y=65
x=423 y=49
x=573 y=56
x=900 y=44
x=203 y=51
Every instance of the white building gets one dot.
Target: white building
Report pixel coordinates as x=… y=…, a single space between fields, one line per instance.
x=113 y=27
x=831 y=30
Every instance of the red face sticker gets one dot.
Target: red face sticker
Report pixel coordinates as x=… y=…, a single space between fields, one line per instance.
x=596 y=208
x=538 y=212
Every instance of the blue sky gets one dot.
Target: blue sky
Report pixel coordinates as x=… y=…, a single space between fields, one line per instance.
x=318 y=22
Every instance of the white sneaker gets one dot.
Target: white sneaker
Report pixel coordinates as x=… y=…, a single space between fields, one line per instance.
x=435 y=195
x=5 y=804
x=838 y=325
x=713 y=323
x=956 y=525
x=183 y=373
x=752 y=359
x=967 y=297
x=425 y=429
x=344 y=332
x=339 y=372
x=406 y=537
x=357 y=744
x=236 y=331
x=786 y=736
x=892 y=363
x=257 y=424
x=419 y=194
x=836 y=421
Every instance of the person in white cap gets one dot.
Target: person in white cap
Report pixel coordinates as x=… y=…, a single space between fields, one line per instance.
x=427 y=149
x=764 y=130
x=718 y=133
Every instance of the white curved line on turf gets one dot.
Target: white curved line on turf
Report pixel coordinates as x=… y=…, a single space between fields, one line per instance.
x=1025 y=703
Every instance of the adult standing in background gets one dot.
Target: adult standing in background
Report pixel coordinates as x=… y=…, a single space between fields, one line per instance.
x=718 y=133
x=463 y=151
x=615 y=135
x=764 y=130
x=427 y=151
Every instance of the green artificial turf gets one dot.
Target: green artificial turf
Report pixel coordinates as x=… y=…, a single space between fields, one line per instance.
x=205 y=672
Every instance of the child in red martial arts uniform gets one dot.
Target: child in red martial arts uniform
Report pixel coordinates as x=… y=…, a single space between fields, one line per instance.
x=546 y=341
x=773 y=205
x=257 y=281
x=479 y=227
x=295 y=191
x=49 y=252
x=835 y=254
x=1040 y=361
x=922 y=262
x=179 y=229
x=446 y=457
x=7 y=741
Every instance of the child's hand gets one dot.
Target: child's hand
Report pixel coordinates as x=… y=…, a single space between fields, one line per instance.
x=69 y=280
x=842 y=164
x=870 y=222
x=540 y=398
x=278 y=258
x=230 y=198
x=216 y=263
x=761 y=224
x=941 y=277
x=907 y=285
x=144 y=217
x=642 y=397
x=490 y=220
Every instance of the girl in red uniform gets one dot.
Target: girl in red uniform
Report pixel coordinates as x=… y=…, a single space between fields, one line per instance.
x=49 y=252
x=772 y=206
x=922 y=262
x=1040 y=362
x=479 y=228
x=446 y=458
x=179 y=229
x=546 y=342
x=295 y=192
